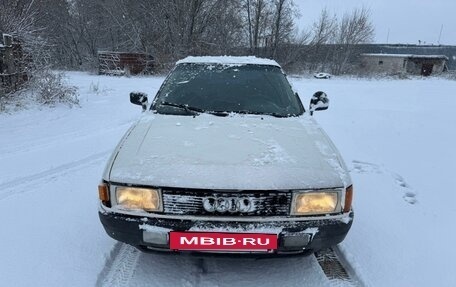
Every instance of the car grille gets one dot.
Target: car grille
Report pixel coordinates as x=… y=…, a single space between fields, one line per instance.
x=190 y=202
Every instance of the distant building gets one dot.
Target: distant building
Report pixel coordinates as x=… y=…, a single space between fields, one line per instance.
x=449 y=51
x=424 y=65
x=121 y=63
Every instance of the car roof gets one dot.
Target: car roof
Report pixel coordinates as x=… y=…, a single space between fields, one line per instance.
x=229 y=60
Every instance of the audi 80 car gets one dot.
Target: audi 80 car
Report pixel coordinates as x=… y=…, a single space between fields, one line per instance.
x=226 y=159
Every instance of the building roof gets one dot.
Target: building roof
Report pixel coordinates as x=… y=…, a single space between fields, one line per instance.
x=229 y=60
x=121 y=52
x=410 y=56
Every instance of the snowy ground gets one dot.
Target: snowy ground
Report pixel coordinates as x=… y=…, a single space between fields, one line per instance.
x=397 y=138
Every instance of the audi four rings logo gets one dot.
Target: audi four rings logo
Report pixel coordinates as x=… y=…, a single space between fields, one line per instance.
x=227 y=204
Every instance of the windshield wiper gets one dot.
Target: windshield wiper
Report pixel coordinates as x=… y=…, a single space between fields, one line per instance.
x=183 y=106
x=277 y=115
x=190 y=109
x=218 y=113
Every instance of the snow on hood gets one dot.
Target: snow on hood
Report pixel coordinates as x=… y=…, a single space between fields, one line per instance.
x=247 y=152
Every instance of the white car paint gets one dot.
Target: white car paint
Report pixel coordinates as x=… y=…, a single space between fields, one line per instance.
x=237 y=152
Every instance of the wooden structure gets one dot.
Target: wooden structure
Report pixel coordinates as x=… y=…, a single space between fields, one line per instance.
x=123 y=63
x=12 y=71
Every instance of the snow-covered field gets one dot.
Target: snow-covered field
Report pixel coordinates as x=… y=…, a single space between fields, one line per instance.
x=397 y=137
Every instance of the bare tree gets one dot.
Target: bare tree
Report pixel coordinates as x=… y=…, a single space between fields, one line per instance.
x=354 y=28
x=260 y=18
x=256 y=19
x=283 y=30
x=324 y=31
x=19 y=18
x=74 y=31
x=249 y=24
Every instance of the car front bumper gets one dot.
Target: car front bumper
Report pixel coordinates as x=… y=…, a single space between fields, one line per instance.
x=295 y=235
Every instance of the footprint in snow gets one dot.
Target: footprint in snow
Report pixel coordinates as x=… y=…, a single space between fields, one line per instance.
x=365 y=167
x=409 y=195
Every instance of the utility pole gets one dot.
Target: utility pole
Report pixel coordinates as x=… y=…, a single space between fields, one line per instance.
x=440 y=35
x=388 y=36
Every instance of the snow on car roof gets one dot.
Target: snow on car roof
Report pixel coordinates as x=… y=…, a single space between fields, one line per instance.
x=229 y=60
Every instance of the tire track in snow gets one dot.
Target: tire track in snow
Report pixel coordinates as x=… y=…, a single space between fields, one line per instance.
x=38 y=144
x=122 y=263
x=127 y=266
x=337 y=269
x=8 y=189
x=120 y=266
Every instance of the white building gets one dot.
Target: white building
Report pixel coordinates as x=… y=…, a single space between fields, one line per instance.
x=424 y=65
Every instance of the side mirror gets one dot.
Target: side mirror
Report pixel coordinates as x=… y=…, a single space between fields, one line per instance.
x=138 y=98
x=319 y=102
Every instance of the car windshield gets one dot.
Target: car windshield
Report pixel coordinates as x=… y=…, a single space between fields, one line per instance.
x=216 y=88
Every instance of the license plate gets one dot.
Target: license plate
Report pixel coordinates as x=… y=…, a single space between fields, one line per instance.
x=222 y=241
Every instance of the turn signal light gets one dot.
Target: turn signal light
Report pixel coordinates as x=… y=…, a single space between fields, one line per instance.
x=103 y=193
x=348 y=198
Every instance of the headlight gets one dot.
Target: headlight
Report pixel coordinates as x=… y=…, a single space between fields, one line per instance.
x=314 y=202
x=138 y=198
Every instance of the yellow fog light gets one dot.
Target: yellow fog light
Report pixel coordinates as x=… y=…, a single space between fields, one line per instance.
x=314 y=203
x=138 y=198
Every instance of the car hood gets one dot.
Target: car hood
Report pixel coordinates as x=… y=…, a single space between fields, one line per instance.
x=238 y=152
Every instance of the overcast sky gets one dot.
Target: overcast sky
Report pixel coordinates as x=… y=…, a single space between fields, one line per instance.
x=407 y=21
